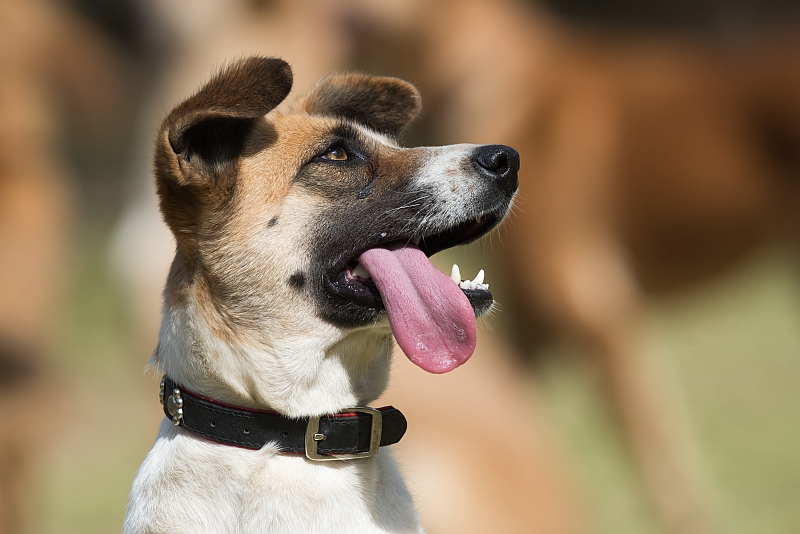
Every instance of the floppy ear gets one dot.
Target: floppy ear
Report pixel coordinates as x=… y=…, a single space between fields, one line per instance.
x=201 y=139
x=384 y=104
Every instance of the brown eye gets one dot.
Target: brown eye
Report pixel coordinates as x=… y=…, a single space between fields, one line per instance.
x=336 y=154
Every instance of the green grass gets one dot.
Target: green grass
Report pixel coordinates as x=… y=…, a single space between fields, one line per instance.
x=735 y=346
x=105 y=426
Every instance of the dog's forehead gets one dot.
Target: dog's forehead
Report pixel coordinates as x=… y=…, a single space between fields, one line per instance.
x=304 y=134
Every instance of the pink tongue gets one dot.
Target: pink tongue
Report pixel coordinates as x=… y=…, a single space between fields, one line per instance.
x=430 y=316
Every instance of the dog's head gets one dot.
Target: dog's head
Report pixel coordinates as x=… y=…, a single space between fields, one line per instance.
x=293 y=224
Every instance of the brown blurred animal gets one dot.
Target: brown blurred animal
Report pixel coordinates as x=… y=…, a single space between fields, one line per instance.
x=654 y=165
x=47 y=57
x=650 y=161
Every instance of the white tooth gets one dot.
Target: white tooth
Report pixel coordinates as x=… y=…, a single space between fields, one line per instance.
x=359 y=271
x=415 y=240
x=479 y=277
x=455 y=274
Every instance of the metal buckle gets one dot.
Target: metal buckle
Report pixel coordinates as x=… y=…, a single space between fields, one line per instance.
x=313 y=437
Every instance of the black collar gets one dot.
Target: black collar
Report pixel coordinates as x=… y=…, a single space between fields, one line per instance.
x=356 y=433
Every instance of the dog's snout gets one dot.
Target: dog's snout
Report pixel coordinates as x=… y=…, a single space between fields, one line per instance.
x=498 y=163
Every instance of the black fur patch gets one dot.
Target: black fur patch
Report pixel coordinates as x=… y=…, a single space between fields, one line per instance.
x=347 y=227
x=273 y=221
x=297 y=280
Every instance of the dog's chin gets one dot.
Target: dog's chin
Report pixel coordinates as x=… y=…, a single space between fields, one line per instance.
x=480 y=299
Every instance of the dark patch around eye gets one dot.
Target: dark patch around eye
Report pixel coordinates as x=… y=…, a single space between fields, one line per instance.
x=334 y=179
x=297 y=280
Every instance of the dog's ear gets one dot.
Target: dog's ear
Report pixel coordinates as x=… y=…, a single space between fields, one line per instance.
x=384 y=104
x=201 y=139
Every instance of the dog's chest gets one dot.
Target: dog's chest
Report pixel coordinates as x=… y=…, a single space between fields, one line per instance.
x=301 y=496
x=210 y=488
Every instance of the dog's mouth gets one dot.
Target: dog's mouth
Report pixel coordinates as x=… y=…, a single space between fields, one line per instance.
x=432 y=315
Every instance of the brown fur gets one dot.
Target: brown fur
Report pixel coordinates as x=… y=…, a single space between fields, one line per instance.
x=387 y=108
x=207 y=132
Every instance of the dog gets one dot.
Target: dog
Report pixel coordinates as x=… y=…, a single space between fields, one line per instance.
x=521 y=489
x=302 y=244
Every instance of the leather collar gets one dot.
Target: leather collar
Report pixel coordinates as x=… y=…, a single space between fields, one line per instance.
x=354 y=434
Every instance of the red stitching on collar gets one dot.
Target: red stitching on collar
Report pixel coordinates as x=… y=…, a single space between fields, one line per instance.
x=256 y=410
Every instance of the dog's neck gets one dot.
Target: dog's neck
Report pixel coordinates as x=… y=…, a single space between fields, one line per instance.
x=316 y=371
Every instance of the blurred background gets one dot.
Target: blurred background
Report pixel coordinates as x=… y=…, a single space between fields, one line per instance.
x=642 y=371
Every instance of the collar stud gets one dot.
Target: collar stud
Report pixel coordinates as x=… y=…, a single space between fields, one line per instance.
x=175 y=406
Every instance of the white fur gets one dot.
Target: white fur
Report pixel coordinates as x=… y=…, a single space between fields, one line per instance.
x=455 y=191
x=188 y=484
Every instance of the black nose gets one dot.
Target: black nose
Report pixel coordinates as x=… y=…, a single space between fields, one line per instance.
x=498 y=163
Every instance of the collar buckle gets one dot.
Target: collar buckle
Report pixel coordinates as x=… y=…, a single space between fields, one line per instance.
x=313 y=437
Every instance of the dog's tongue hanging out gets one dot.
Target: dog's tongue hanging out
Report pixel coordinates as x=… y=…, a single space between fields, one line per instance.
x=432 y=319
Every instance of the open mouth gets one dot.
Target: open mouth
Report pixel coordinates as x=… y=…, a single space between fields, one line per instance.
x=432 y=315
x=352 y=282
